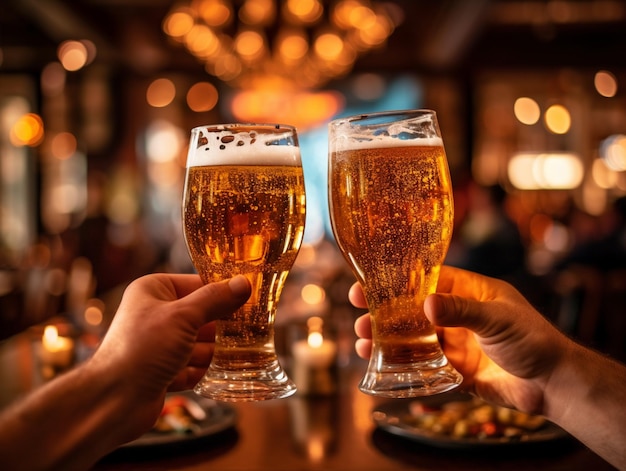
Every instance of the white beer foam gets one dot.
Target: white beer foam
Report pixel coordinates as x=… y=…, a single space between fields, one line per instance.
x=242 y=150
x=342 y=143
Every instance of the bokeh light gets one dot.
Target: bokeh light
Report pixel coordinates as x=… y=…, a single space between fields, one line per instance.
x=613 y=151
x=63 y=145
x=557 y=170
x=526 y=110
x=558 y=119
x=72 y=55
x=605 y=83
x=202 y=96
x=160 y=92
x=27 y=131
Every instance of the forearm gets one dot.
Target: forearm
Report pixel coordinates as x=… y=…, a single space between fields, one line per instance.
x=67 y=424
x=585 y=396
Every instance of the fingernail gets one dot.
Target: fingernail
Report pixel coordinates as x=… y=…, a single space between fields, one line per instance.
x=239 y=286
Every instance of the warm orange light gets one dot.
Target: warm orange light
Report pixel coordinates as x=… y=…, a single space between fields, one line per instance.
x=292 y=45
x=613 y=151
x=160 y=93
x=375 y=33
x=302 y=109
x=202 y=96
x=50 y=336
x=249 y=45
x=315 y=337
x=328 y=46
x=27 y=131
x=305 y=11
x=214 y=12
x=63 y=145
x=342 y=11
x=257 y=12
x=315 y=47
x=228 y=68
x=178 y=23
x=94 y=312
x=605 y=83
x=551 y=171
x=93 y=316
x=312 y=294
x=72 y=55
x=526 y=110
x=603 y=176
x=202 y=41
x=558 y=119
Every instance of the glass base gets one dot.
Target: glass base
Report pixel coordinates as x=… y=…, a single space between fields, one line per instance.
x=245 y=385
x=412 y=380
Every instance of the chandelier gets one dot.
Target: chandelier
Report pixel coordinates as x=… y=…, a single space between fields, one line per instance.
x=279 y=44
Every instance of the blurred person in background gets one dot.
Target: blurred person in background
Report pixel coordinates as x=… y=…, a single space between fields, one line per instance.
x=486 y=240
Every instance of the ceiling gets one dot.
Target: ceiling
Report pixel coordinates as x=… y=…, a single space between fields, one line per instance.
x=442 y=36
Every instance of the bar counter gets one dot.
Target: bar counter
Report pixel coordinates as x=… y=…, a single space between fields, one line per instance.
x=337 y=433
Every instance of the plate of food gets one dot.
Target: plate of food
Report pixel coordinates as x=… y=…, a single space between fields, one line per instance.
x=186 y=416
x=459 y=420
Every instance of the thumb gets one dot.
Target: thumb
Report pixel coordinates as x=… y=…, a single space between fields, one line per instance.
x=447 y=310
x=215 y=300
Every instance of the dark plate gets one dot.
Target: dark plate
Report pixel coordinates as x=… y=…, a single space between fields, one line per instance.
x=219 y=417
x=394 y=417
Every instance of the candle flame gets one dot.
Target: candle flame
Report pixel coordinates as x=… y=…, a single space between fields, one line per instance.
x=50 y=335
x=315 y=339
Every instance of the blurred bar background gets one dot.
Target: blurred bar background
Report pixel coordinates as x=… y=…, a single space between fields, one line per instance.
x=97 y=98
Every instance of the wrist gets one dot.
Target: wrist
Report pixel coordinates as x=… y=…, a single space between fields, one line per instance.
x=123 y=407
x=74 y=419
x=569 y=385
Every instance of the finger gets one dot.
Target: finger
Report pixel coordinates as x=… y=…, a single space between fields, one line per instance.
x=215 y=300
x=186 y=379
x=363 y=348
x=201 y=355
x=363 y=326
x=207 y=333
x=183 y=284
x=455 y=311
x=467 y=284
x=356 y=295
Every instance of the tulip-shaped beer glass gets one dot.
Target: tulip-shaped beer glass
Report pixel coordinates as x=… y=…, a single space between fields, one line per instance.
x=243 y=213
x=391 y=209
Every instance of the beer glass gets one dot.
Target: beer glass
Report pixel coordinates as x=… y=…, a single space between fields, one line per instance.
x=391 y=210
x=243 y=213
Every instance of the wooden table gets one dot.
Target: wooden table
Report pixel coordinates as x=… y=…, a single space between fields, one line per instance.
x=337 y=433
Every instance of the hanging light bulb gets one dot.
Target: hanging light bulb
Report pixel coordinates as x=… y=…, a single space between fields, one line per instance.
x=309 y=47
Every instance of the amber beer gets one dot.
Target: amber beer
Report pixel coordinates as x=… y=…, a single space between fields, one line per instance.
x=247 y=220
x=397 y=230
x=244 y=213
x=391 y=210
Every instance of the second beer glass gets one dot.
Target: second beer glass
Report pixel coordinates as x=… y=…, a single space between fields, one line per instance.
x=391 y=210
x=243 y=213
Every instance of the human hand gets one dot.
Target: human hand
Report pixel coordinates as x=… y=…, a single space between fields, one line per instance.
x=505 y=350
x=161 y=336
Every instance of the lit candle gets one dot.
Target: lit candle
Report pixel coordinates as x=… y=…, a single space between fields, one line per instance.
x=314 y=359
x=57 y=351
